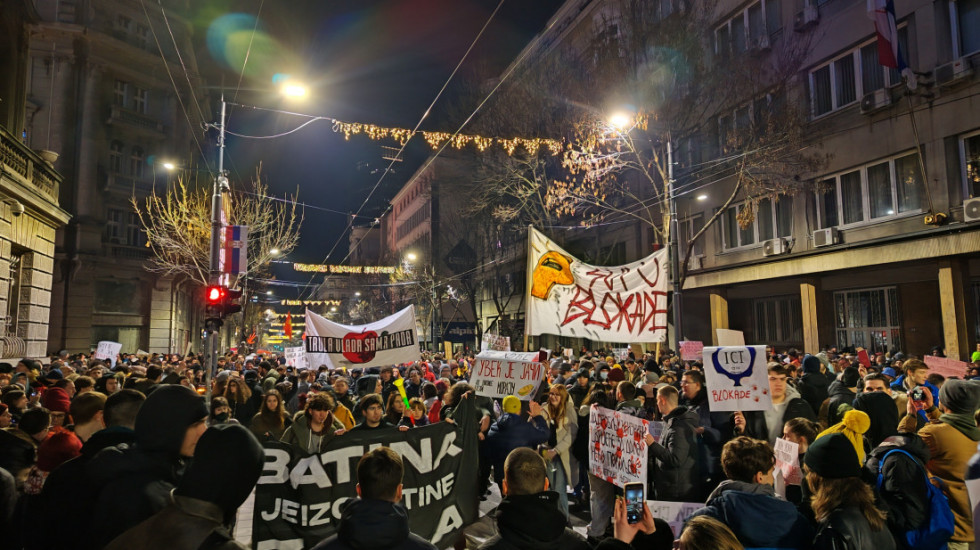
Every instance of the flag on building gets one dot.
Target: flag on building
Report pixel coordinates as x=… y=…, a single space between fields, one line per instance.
x=287 y=328
x=234 y=250
x=882 y=12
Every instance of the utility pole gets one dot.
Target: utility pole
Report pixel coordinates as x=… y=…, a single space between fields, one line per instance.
x=220 y=186
x=674 y=245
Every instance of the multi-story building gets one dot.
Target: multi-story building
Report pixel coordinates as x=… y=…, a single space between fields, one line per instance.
x=101 y=92
x=30 y=213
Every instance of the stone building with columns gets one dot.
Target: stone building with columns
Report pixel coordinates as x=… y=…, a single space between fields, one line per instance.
x=29 y=210
x=101 y=92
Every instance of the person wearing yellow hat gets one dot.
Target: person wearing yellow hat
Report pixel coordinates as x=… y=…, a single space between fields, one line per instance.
x=854 y=425
x=510 y=432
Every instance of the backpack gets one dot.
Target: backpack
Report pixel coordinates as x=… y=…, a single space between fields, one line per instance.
x=939 y=527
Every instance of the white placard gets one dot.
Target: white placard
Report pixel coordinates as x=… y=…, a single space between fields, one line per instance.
x=108 y=351
x=296 y=357
x=617 y=446
x=788 y=461
x=674 y=513
x=728 y=337
x=502 y=373
x=492 y=342
x=736 y=378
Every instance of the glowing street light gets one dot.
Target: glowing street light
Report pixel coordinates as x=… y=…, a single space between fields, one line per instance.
x=169 y=166
x=294 y=89
x=411 y=256
x=358 y=293
x=268 y=293
x=620 y=120
x=702 y=197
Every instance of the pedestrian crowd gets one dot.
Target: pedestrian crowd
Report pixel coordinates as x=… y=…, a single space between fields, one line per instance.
x=126 y=454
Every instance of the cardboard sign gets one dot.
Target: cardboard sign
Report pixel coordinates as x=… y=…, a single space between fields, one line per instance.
x=728 y=337
x=691 y=350
x=108 y=351
x=736 y=378
x=674 y=513
x=502 y=373
x=492 y=342
x=296 y=357
x=788 y=461
x=946 y=366
x=617 y=446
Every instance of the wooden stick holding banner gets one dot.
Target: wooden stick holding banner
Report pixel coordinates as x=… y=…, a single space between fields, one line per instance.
x=527 y=287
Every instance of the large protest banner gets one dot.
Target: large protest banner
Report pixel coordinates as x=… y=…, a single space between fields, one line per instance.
x=617 y=446
x=626 y=303
x=946 y=366
x=502 y=373
x=736 y=378
x=300 y=497
x=390 y=341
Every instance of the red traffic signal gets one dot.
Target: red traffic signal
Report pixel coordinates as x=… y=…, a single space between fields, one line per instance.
x=215 y=294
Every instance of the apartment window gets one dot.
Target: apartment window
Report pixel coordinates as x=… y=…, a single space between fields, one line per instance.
x=965 y=18
x=844 y=80
x=13 y=291
x=113 y=225
x=970 y=152
x=66 y=11
x=773 y=218
x=134 y=230
x=868 y=318
x=142 y=36
x=687 y=228
x=137 y=162
x=119 y=93
x=751 y=28
x=124 y=23
x=880 y=190
x=115 y=157
x=779 y=320
x=139 y=100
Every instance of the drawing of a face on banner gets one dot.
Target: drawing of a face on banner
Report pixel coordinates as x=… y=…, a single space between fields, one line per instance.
x=552 y=269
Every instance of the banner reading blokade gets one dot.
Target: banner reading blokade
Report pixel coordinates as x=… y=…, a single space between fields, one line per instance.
x=300 y=497
x=502 y=373
x=617 y=446
x=736 y=378
x=390 y=341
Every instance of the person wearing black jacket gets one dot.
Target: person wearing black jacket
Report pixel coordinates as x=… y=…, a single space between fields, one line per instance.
x=376 y=520
x=676 y=453
x=786 y=405
x=510 y=432
x=903 y=493
x=813 y=384
x=528 y=518
x=841 y=394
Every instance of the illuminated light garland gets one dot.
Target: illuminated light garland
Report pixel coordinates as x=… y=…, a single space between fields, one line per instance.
x=436 y=139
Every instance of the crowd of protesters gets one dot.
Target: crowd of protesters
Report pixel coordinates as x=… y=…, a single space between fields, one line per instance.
x=133 y=445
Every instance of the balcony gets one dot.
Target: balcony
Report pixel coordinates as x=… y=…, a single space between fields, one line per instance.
x=126 y=251
x=143 y=123
x=16 y=159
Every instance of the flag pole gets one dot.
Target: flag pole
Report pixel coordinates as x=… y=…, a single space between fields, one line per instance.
x=527 y=290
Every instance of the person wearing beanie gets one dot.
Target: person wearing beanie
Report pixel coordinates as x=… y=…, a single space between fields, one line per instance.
x=853 y=426
x=813 y=384
x=510 y=432
x=59 y=447
x=203 y=505
x=951 y=437
x=57 y=401
x=578 y=387
x=136 y=479
x=843 y=504
x=841 y=395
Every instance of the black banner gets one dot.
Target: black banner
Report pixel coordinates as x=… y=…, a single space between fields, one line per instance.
x=299 y=498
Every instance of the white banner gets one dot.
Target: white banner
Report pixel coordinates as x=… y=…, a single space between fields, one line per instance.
x=389 y=341
x=674 y=513
x=108 y=351
x=617 y=446
x=494 y=342
x=502 y=373
x=737 y=378
x=626 y=303
x=296 y=357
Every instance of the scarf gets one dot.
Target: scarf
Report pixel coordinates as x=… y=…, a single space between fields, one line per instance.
x=963 y=422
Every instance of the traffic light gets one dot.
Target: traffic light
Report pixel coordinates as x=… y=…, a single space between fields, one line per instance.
x=214 y=302
x=232 y=301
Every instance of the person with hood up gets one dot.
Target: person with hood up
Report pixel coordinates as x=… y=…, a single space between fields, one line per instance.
x=676 y=454
x=746 y=502
x=903 y=493
x=786 y=405
x=951 y=440
x=203 y=504
x=510 y=432
x=315 y=426
x=528 y=517
x=136 y=479
x=375 y=520
x=877 y=402
x=813 y=385
x=841 y=395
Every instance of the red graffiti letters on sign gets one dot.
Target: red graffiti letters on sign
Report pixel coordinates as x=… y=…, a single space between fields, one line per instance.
x=606 y=301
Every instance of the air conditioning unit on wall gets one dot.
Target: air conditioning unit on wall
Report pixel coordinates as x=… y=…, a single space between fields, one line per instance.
x=775 y=247
x=875 y=101
x=953 y=72
x=695 y=263
x=971 y=210
x=825 y=237
x=805 y=19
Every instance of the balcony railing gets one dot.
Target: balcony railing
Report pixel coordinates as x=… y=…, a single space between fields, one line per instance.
x=137 y=120
x=20 y=159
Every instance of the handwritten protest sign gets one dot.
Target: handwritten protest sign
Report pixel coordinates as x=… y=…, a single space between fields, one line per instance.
x=788 y=461
x=568 y=354
x=296 y=357
x=945 y=366
x=502 y=373
x=617 y=446
x=492 y=342
x=674 y=513
x=727 y=337
x=107 y=351
x=737 y=378
x=656 y=429
x=691 y=350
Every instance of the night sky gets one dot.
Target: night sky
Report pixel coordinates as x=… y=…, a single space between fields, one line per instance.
x=370 y=61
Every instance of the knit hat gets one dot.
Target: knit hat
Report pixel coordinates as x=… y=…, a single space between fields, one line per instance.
x=511 y=404
x=209 y=478
x=222 y=376
x=854 y=425
x=833 y=456
x=811 y=365
x=850 y=377
x=59 y=447
x=583 y=373
x=56 y=400
x=54 y=374
x=960 y=396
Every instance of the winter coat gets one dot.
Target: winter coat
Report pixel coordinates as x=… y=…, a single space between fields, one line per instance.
x=184 y=523
x=577 y=393
x=633 y=407
x=564 y=436
x=759 y=519
x=716 y=432
x=676 y=455
x=903 y=492
x=511 y=432
x=301 y=437
x=343 y=414
x=367 y=524
x=841 y=400
x=796 y=407
x=847 y=529
x=533 y=522
x=813 y=387
x=265 y=428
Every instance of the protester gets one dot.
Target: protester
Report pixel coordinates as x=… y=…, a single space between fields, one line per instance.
x=814 y=384
x=271 y=422
x=510 y=432
x=707 y=533
x=675 y=473
x=239 y=398
x=563 y=422
x=372 y=414
x=902 y=494
x=314 y=427
x=786 y=404
x=841 y=396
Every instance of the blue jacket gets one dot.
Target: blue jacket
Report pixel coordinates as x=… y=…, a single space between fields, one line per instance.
x=759 y=519
x=510 y=432
x=899 y=386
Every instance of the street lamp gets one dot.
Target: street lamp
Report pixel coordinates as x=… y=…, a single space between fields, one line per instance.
x=169 y=166
x=274 y=252
x=411 y=256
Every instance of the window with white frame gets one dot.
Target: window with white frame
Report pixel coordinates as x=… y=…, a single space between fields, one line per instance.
x=771 y=219
x=965 y=18
x=115 y=157
x=113 y=225
x=845 y=79
x=686 y=229
x=120 y=90
x=137 y=162
x=879 y=190
x=134 y=230
x=751 y=28
x=970 y=153
x=139 y=100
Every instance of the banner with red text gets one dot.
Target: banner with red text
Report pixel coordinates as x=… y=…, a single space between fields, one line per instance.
x=737 y=378
x=617 y=446
x=502 y=373
x=625 y=303
x=390 y=341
